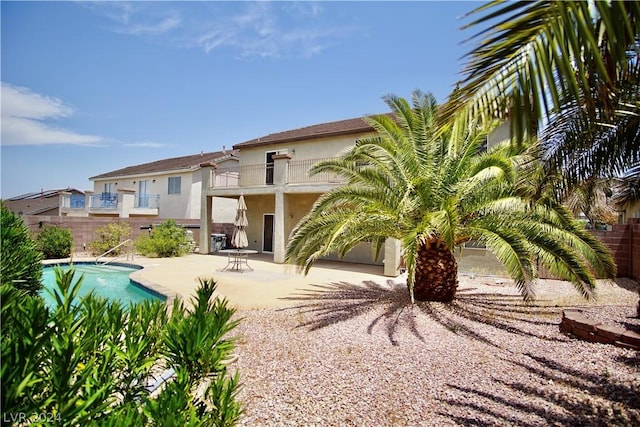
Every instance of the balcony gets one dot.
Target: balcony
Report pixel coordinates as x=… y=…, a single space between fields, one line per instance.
x=295 y=172
x=124 y=203
x=73 y=201
x=103 y=201
x=299 y=173
x=146 y=201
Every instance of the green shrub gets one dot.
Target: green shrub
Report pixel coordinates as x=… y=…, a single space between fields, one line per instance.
x=110 y=236
x=20 y=266
x=169 y=239
x=86 y=361
x=54 y=242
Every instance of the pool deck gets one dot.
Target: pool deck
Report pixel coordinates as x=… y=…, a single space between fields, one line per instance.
x=268 y=285
x=272 y=285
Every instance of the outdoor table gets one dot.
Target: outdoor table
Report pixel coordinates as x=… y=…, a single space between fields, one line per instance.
x=236 y=258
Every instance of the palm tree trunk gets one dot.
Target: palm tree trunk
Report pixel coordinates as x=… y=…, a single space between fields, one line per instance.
x=436 y=274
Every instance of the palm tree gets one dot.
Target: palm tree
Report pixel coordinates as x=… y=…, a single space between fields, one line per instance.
x=570 y=67
x=433 y=194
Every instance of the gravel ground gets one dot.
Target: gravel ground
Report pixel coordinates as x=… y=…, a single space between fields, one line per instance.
x=361 y=355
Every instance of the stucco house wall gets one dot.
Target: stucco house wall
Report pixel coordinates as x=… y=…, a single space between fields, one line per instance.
x=169 y=205
x=182 y=204
x=257 y=207
x=300 y=150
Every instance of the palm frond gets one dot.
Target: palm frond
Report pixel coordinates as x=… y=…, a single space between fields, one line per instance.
x=532 y=56
x=420 y=184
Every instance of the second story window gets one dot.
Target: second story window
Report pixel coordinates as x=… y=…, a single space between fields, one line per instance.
x=269 y=170
x=175 y=182
x=143 y=194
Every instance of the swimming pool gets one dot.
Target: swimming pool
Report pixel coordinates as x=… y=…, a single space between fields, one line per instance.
x=110 y=281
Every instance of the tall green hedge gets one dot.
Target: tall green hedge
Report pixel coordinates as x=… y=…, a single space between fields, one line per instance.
x=20 y=265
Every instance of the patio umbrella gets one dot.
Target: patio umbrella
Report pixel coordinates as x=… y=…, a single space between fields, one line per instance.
x=239 y=238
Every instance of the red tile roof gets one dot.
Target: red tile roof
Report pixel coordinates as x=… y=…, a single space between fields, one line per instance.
x=172 y=164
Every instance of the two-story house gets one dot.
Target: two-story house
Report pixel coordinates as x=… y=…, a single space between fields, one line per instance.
x=168 y=188
x=272 y=174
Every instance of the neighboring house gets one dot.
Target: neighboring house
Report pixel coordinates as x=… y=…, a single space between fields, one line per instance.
x=629 y=211
x=272 y=174
x=44 y=202
x=168 y=188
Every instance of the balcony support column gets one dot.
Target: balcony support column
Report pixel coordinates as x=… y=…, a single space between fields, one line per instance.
x=126 y=201
x=88 y=200
x=206 y=207
x=63 y=196
x=279 y=238
x=280 y=168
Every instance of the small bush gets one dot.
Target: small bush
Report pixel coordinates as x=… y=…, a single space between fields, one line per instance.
x=20 y=266
x=108 y=237
x=166 y=240
x=54 y=242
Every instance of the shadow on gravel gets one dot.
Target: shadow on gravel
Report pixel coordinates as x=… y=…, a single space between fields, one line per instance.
x=340 y=301
x=627 y=283
x=560 y=395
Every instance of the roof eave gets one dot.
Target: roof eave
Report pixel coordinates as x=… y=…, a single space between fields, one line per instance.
x=257 y=143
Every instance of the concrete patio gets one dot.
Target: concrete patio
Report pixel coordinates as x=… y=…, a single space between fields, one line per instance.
x=268 y=285
x=272 y=285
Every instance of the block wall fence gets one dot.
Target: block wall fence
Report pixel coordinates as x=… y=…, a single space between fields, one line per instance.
x=623 y=240
x=83 y=229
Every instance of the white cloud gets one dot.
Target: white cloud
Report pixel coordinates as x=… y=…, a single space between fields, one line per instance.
x=153 y=28
x=24 y=115
x=144 y=144
x=293 y=30
x=249 y=29
x=137 y=18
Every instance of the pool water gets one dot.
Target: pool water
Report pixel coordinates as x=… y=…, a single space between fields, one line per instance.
x=109 y=281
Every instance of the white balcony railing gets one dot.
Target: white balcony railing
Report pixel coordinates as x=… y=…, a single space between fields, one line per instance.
x=73 y=201
x=104 y=201
x=297 y=172
x=242 y=176
x=146 y=201
x=124 y=203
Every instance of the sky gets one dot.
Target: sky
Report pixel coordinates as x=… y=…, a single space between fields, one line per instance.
x=92 y=87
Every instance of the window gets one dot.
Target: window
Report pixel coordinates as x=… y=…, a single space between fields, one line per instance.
x=269 y=171
x=174 y=184
x=143 y=194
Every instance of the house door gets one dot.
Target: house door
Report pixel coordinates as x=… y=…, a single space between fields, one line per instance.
x=267 y=233
x=269 y=172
